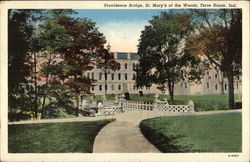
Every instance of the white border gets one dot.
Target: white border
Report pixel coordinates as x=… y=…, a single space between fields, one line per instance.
x=244 y=156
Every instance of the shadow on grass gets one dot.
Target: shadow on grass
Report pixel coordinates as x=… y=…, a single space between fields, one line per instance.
x=166 y=144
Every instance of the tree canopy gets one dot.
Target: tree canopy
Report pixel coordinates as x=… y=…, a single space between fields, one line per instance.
x=219 y=38
x=163 y=60
x=67 y=48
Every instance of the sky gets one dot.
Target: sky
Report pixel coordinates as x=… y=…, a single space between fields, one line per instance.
x=122 y=28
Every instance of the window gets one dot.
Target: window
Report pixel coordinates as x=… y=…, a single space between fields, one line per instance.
x=93 y=75
x=216 y=87
x=215 y=76
x=135 y=56
x=106 y=76
x=185 y=85
x=112 y=87
x=100 y=76
x=225 y=87
x=119 y=76
x=88 y=75
x=133 y=66
x=119 y=87
x=122 y=55
x=106 y=87
x=100 y=87
x=93 y=88
x=126 y=76
x=112 y=76
x=207 y=85
x=134 y=76
x=125 y=65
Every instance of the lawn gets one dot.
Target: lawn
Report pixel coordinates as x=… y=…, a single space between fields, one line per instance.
x=196 y=133
x=54 y=137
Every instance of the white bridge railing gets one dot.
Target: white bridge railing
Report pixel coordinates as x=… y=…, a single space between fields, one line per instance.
x=158 y=106
x=111 y=107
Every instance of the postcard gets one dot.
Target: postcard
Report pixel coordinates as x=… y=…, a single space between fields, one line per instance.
x=124 y=81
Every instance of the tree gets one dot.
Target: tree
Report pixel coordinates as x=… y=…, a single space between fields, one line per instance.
x=162 y=56
x=82 y=44
x=220 y=40
x=105 y=61
x=53 y=37
x=21 y=45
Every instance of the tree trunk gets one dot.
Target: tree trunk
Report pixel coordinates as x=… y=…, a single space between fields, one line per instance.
x=222 y=86
x=45 y=90
x=231 y=89
x=44 y=97
x=221 y=81
x=171 y=92
x=35 y=82
x=105 y=83
x=77 y=104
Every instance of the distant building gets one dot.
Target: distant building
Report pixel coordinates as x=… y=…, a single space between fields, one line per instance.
x=123 y=80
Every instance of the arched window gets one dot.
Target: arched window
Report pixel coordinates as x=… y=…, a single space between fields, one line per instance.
x=216 y=87
x=100 y=76
x=133 y=66
x=119 y=87
x=100 y=87
x=125 y=65
x=106 y=76
x=207 y=85
x=126 y=76
x=134 y=76
x=119 y=76
x=112 y=76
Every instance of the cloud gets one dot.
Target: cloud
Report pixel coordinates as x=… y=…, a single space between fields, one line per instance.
x=123 y=35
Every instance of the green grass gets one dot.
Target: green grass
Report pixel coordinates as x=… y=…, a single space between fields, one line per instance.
x=54 y=137
x=200 y=133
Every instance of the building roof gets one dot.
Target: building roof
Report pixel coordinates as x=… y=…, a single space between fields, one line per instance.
x=124 y=56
